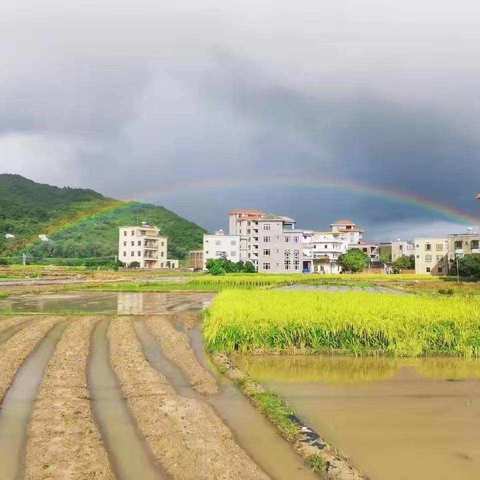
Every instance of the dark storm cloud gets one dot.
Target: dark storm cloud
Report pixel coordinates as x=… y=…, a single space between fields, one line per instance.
x=132 y=99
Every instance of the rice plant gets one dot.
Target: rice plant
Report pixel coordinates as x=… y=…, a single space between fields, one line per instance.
x=350 y=322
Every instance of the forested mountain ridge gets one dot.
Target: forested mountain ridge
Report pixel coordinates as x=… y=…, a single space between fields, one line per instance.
x=79 y=223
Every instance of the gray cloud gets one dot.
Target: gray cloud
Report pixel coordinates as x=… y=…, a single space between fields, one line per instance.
x=131 y=99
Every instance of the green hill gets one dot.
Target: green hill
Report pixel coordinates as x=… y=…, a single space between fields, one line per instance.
x=80 y=223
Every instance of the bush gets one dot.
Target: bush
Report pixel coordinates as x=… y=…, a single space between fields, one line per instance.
x=469 y=266
x=353 y=261
x=404 y=263
x=221 y=266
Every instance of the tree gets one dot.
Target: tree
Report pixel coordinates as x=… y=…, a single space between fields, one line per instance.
x=353 y=261
x=249 y=267
x=220 y=266
x=469 y=266
x=404 y=263
x=216 y=266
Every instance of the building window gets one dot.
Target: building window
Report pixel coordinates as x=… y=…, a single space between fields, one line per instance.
x=139 y=243
x=439 y=247
x=287 y=239
x=218 y=242
x=428 y=258
x=124 y=233
x=440 y=269
x=474 y=244
x=458 y=244
x=161 y=254
x=266 y=266
x=287 y=264
x=428 y=269
x=132 y=254
x=428 y=247
x=124 y=244
x=124 y=254
x=266 y=239
x=133 y=232
x=266 y=252
x=266 y=226
x=233 y=254
x=295 y=239
x=139 y=253
x=233 y=243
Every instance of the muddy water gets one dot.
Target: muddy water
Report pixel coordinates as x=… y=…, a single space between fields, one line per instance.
x=121 y=303
x=157 y=359
x=252 y=431
x=396 y=419
x=18 y=402
x=129 y=454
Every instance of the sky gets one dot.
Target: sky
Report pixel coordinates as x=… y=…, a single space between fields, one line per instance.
x=283 y=106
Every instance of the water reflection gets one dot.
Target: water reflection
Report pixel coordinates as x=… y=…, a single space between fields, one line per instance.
x=354 y=370
x=121 y=303
x=396 y=418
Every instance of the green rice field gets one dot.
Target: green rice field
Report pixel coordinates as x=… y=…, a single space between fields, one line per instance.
x=349 y=322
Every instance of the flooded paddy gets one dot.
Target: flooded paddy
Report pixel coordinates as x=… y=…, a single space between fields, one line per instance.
x=17 y=405
x=121 y=303
x=125 y=392
x=397 y=419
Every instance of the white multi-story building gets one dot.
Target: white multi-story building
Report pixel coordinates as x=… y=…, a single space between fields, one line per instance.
x=402 y=249
x=142 y=246
x=280 y=245
x=352 y=233
x=274 y=245
x=219 y=246
x=244 y=223
x=325 y=249
x=371 y=249
x=431 y=256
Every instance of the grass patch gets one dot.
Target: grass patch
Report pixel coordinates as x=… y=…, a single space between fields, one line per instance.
x=278 y=412
x=351 y=322
x=211 y=283
x=3 y=295
x=317 y=464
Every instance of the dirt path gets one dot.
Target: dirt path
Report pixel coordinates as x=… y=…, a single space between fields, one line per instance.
x=63 y=440
x=185 y=435
x=176 y=347
x=14 y=351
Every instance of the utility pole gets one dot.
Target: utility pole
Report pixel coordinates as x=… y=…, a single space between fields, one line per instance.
x=24 y=259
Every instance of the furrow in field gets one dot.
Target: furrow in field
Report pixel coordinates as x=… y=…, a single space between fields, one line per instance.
x=176 y=347
x=185 y=435
x=10 y=326
x=15 y=350
x=63 y=440
x=18 y=402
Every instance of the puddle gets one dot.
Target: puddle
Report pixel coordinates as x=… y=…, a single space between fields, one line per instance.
x=396 y=418
x=128 y=452
x=253 y=432
x=18 y=402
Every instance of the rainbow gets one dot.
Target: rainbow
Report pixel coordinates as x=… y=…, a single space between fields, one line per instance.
x=405 y=198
